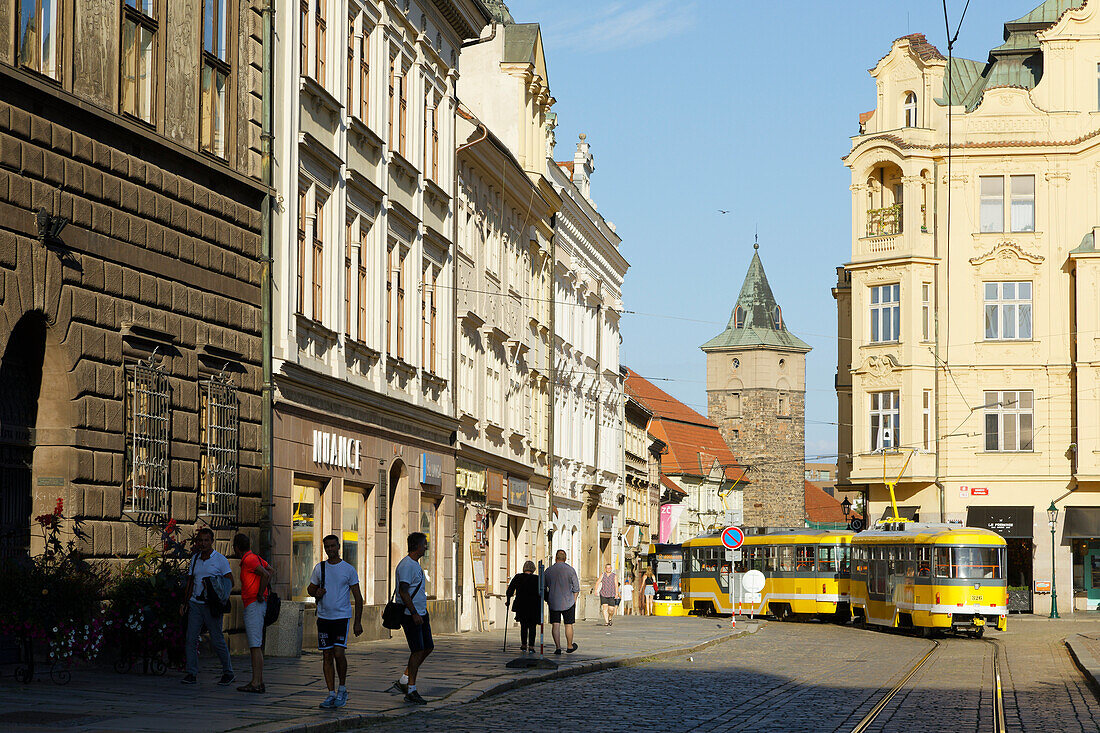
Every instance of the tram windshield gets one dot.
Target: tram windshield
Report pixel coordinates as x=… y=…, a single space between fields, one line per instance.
x=969 y=563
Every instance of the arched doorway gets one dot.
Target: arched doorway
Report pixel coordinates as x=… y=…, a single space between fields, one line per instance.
x=399 y=516
x=20 y=384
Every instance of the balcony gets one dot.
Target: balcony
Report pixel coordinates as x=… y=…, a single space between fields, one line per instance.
x=884 y=222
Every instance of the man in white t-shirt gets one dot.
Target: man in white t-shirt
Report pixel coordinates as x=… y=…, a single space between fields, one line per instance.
x=207 y=563
x=333 y=583
x=418 y=630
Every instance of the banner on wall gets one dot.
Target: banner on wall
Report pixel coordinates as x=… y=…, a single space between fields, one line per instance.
x=494 y=489
x=518 y=492
x=670 y=517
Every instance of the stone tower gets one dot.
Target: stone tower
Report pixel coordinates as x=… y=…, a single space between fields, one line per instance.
x=756 y=395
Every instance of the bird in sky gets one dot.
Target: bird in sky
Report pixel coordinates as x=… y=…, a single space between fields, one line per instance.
x=723 y=211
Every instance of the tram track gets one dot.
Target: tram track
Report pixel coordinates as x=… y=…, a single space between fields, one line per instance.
x=873 y=714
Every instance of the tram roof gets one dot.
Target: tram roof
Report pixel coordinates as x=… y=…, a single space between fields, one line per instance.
x=791 y=535
x=928 y=533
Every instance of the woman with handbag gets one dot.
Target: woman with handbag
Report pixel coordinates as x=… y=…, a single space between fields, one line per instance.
x=525 y=587
x=650 y=584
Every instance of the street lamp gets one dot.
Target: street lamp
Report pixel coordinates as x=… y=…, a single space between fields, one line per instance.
x=1052 y=518
x=846 y=505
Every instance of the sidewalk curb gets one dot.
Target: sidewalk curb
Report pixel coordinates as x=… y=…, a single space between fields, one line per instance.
x=599 y=665
x=1085 y=661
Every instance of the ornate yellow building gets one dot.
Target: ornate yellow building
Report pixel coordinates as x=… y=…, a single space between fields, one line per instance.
x=969 y=315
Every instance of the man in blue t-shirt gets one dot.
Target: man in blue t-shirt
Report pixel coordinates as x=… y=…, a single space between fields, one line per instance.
x=333 y=583
x=418 y=631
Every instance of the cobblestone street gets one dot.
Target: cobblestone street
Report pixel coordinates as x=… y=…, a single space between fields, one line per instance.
x=808 y=677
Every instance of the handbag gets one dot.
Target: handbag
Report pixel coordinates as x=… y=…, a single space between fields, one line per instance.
x=274 y=606
x=394 y=613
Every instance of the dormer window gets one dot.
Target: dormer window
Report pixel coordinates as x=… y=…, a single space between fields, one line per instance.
x=777 y=319
x=910 y=110
x=738 y=317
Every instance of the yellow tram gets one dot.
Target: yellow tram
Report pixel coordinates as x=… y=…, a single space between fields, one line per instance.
x=805 y=570
x=929 y=576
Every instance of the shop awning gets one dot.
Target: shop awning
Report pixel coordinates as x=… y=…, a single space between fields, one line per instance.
x=1008 y=521
x=1082 y=521
x=911 y=513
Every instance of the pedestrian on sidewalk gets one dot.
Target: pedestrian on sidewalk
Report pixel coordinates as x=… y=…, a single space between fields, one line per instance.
x=207 y=563
x=650 y=585
x=563 y=587
x=333 y=583
x=610 y=593
x=639 y=589
x=628 y=596
x=525 y=587
x=255 y=579
x=415 y=623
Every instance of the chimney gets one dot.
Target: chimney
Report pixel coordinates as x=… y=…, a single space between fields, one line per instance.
x=583 y=166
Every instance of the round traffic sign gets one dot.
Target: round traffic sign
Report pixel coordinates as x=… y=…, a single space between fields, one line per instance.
x=753 y=581
x=732 y=537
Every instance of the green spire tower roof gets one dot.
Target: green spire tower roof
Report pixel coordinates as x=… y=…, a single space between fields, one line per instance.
x=757 y=319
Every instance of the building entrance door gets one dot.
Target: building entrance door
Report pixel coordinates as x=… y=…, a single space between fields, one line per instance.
x=1092 y=575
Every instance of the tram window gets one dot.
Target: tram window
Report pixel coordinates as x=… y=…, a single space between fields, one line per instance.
x=709 y=562
x=771 y=562
x=693 y=557
x=844 y=554
x=977 y=563
x=759 y=559
x=804 y=559
x=786 y=559
x=943 y=562
x=826 y=559
x=924 y=562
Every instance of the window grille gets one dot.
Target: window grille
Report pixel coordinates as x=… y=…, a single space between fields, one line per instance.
x=220 y=418
x=147 y=424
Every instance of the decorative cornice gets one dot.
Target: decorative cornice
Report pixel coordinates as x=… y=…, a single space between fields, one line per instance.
x=1005 y=249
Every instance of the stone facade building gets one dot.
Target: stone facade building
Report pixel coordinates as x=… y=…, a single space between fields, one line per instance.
x=505 y=209
x=973 y=352
x=130 y=269
x=640 y=477
x=756 y=394
x=365 y=424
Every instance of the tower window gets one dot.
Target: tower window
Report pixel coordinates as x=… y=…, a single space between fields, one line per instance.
x=910 y=110
x=738 y=317
x=777 y=318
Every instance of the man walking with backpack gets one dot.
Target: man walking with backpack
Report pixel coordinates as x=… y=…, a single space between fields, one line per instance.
x=332 y=583
x=418 y=630
x=203 y=611
x=255 y=577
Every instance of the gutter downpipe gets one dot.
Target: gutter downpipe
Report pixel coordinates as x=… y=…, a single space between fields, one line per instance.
x=936 y=327
x=266 y=174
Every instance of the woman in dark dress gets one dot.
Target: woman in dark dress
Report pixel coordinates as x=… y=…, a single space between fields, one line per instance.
x=525 y=587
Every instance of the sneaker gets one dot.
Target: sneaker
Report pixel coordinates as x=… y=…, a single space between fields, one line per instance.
x=228 y=678
x=572 y=649
x=189 y=679
x=330 y=701
x=415 y=698
x=401 y=687
x=341 y=698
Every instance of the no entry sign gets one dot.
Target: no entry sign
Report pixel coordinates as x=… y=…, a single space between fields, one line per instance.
x=733 y=537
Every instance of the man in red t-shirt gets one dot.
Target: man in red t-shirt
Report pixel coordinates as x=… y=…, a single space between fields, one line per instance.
x=255 y=577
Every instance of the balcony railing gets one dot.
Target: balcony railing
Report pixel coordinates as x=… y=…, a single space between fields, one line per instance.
x=884 y=222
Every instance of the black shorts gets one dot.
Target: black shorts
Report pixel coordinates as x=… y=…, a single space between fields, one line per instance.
x=332 y=632
x=568 y=616
x=418 y=636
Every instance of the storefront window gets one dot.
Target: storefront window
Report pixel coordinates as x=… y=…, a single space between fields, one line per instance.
x=428 y=511
x=305 y=523
x=353 y=528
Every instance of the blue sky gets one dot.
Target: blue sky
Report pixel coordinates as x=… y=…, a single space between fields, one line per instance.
x=695 y=106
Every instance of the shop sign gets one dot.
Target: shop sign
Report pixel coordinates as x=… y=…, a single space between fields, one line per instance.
x=470 y=482
x=431 y=469
x=966 y=491
x=336 y=451
x=518 y=492
x=494 y=492
x=1042 y=586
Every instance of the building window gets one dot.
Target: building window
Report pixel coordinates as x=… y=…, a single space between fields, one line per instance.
x=306 y=526
x=733 y=404
x=467 y=373
x=37 y=45
x=299 y=306
x=349 y=275
x=783 y=409
x=1021 y=214
x=926 y=416
x=139 y=28
x=402 y=114
x=493 y=386
x=910 y=110
x=885 y=416
x=886 y=313
x=435 y=142
x=1007 y=310
x=303 y=37
x=213 y=114
x=364 y=73
x=1098 y=86
x=428 y=317
x=147 y=407
x=361 y=290
x=319 y=41
x=353 y=509
x=395 y=300
x=318 y=257
x=428 y=513
x=926 y=311
x=389 y=109
x=1009 y=417
x=351 y=64
x=219 y=421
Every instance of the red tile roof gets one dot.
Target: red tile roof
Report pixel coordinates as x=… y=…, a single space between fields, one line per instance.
x=864 y=116
x=671 y=485
x=921 y=47
x=567 y=165
x=694 y=443
x=820 y=507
